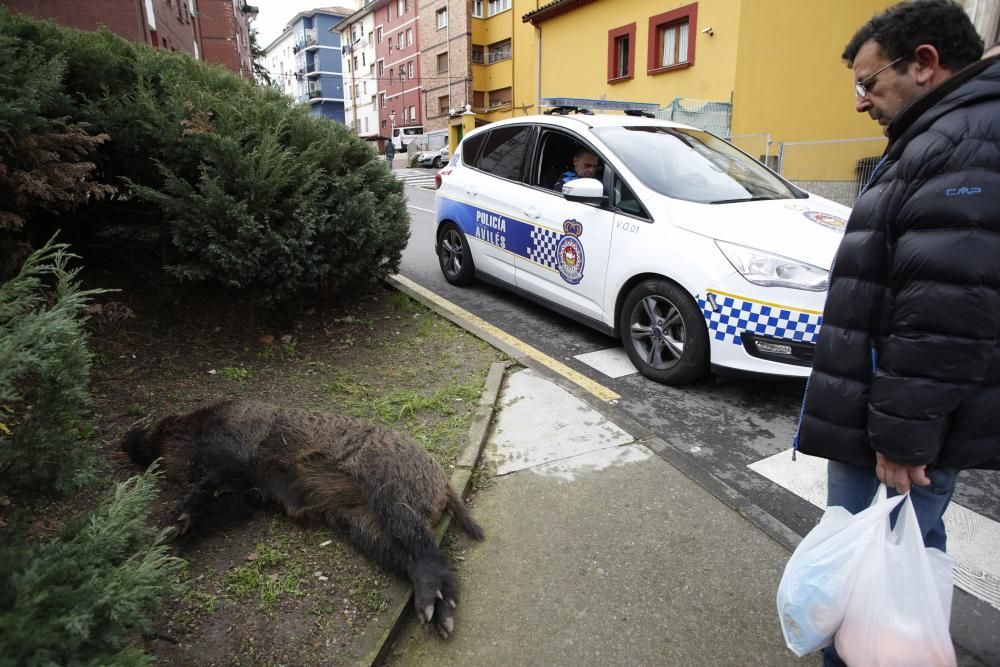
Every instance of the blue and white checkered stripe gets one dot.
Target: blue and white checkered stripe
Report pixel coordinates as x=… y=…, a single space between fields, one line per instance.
x=542 y=249
x=734 y=315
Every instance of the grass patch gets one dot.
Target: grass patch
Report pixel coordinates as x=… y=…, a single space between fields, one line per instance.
x=270 y=574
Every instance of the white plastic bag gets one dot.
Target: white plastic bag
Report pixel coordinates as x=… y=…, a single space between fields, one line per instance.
x=818 y=578
x=899 y=610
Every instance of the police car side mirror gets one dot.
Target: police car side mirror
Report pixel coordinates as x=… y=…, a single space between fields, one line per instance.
x=584 y=190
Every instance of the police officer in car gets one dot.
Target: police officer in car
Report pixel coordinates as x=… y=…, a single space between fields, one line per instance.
x=585 y=165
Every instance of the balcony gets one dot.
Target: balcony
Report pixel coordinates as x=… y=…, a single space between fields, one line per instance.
x=307 y=41
x=314 y=94
x=312 y=68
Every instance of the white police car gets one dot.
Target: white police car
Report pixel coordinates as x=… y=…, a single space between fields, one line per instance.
x=692 y=253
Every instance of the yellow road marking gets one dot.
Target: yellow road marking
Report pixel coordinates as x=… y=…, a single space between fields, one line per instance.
x=765 y=303
x=582 y=381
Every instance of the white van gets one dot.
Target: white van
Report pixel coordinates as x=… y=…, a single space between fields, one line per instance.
x=403 y=136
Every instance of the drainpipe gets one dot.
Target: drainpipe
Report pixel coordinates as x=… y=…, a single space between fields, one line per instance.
x=538 y=66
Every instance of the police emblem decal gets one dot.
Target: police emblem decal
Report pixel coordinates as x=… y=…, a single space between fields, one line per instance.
x=827 y=220
x=569 y=253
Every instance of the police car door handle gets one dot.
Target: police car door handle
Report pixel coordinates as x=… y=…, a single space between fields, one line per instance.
x=530 y=211
x=471 y=190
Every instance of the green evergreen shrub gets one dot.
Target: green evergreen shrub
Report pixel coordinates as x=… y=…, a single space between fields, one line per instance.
x=251 y=192
x=79 y=598
x=44 y=373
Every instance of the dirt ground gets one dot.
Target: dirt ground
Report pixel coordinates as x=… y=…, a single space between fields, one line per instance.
x=270 y=592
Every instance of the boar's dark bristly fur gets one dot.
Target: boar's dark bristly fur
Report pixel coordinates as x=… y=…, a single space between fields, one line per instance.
x=382 y=489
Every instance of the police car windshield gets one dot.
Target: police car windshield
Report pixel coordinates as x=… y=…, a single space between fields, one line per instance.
x=693 y=165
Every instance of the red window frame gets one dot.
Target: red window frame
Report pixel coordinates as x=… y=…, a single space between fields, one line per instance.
x=613 y=36
x=664 y=20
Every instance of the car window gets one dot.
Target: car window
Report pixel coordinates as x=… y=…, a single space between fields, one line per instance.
x=470 y=148
x=694 y=165
x=504 y=151
x=624 y=200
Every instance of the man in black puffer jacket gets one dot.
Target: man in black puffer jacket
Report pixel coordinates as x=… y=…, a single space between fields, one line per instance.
x=905 y=386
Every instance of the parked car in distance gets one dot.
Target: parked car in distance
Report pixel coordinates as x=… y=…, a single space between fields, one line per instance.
x=694 y=254
x=435 y=158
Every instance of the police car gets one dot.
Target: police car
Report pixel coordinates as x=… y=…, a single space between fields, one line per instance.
x=692 y=253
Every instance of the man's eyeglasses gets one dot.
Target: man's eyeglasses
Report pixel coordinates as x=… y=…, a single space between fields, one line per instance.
x=861 y=87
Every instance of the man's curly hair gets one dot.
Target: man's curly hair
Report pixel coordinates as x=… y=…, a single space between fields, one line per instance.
x=900 y=29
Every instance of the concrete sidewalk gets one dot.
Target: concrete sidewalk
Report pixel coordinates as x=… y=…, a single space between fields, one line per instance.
x=599 y=552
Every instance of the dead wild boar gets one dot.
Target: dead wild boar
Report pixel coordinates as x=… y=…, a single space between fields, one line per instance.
x=381 y=488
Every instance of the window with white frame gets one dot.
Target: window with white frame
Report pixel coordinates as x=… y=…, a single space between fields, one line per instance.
x=441 y=17
x=399 y=40
x=413 y=112
x=381 y=100
x=381 y=68
x=409 y=37
x=478 y=56
x=477 y=9
x=496 y=6
x=499 y=51
x=409 y=69
x=378 y=34
x=400 y=7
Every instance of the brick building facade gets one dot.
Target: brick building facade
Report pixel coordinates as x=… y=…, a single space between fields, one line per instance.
x=216 y=31
x=225 y=33
x=445 y=35
x=397 y=53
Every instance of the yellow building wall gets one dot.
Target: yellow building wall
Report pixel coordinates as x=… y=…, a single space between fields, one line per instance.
x=790 y=79
x=518 y=72
x=574 y=49
x=792 y=83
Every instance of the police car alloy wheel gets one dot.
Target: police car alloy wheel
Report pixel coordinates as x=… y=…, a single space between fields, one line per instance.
x=664 y=333
x=437 y=162
x=454 y=256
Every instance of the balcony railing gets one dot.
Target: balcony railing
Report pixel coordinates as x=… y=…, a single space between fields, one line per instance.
x=305 y=41
x=315 y=93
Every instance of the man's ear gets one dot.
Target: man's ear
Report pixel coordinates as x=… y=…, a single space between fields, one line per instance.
x=928 y=70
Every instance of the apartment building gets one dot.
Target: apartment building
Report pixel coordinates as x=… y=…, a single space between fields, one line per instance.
x=280 y=63
x=361 y=110
x=216 y=31
x=225 y=32
x=308 y=61
x=446 y=69
x=397 y=66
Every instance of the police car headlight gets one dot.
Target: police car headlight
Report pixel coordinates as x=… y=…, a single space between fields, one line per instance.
x=763 y=268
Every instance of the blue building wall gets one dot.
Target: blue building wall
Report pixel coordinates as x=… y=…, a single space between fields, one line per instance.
x=321 y=65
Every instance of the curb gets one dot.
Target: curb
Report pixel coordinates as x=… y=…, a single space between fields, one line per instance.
x=379 y=634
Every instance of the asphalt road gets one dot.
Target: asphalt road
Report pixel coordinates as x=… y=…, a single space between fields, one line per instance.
x=722 y=424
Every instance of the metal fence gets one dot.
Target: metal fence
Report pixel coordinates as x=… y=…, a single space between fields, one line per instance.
x=836 y=168
x=757 y=146
x=703 y=114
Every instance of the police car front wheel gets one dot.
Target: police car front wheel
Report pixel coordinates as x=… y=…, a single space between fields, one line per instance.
x=454 y=255
x=664 y=333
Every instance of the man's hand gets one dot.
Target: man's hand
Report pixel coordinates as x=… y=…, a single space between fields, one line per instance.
x=899 y=476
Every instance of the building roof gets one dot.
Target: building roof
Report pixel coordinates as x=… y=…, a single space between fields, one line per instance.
x=369 y=8
x=552 y=10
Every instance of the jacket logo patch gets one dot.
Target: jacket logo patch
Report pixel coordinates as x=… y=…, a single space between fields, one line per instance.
x=961 y=192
